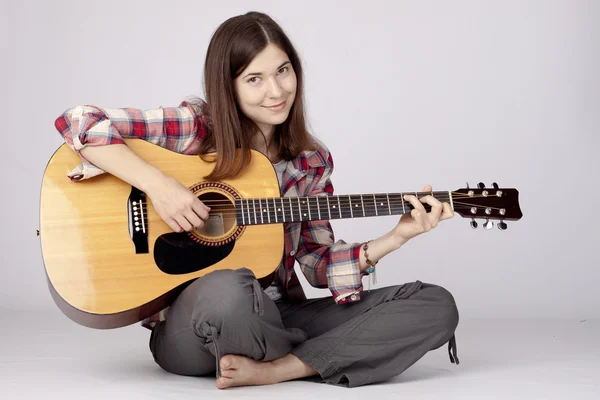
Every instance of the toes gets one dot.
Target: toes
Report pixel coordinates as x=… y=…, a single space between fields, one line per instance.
x=227 y=362
x=223 y=382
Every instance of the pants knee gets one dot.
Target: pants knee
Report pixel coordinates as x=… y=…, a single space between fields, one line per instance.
x=223 y=294
x=448 y=310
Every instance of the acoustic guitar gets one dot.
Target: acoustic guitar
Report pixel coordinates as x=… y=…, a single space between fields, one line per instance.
x=112 y=261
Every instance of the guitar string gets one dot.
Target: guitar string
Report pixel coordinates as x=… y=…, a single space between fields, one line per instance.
x=250 y=214
x=345 y=197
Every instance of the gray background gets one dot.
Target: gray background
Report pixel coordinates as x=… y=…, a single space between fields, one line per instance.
x=403 y=93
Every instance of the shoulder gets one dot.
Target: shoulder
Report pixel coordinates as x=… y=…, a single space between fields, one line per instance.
x=320 y=157
x=198 y=109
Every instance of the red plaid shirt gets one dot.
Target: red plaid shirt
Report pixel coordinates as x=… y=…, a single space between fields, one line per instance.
x=326 y=263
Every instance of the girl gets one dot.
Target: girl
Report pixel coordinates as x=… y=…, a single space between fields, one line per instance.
x=254 y=100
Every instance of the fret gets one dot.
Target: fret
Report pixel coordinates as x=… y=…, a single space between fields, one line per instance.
x=396 y=205
x=329 y=207
x=261 y=211
x=318 y=208
x=323 y=203
x=286 y=209
x=382 y=206
x=283 y=209
x=362 y=204
x=345 y=208
x=249 y=210
x=242 y=211
x=291 y=210
x=277 y=209
x=356 y=202
x=299 y=209
x=375 y=201
x=272 y=210
x=303 y=209
x=369 y=206
x=238 y=218
x=350 y=205
x=403 y=208
x=339 y=207
x=313 y=208
x=387 y=195
x=254 y=211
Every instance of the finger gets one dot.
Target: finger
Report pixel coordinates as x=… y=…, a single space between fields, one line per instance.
x=414 y=202
x=436 y=209
x=193 y=219
x=427 y=188
x=420 y=218
x=447 y=212
x=184 y=223
x=201 y=210
x=174 y=225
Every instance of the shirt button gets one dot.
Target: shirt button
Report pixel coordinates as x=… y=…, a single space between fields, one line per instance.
x=353 y=297
x=293 y=253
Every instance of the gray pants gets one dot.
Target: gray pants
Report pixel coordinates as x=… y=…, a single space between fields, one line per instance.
x=374 y=339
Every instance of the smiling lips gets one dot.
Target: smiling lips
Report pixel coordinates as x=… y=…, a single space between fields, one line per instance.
x=276 y=107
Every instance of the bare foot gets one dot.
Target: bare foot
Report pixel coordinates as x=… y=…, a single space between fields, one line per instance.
x=244 y=371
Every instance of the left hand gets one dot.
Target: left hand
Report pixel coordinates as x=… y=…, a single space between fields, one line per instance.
x=419 y=221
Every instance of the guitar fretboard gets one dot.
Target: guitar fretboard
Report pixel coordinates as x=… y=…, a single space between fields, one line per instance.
x=315 y=208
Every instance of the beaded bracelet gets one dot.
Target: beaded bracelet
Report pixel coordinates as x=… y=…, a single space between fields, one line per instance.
x=371 y=264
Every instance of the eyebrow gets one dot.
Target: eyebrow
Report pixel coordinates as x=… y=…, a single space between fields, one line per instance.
x=260 y=73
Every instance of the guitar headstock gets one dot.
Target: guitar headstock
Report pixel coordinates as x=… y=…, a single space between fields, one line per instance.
x=489 y=203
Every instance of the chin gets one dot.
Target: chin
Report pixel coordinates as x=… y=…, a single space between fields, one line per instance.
x=276 y=119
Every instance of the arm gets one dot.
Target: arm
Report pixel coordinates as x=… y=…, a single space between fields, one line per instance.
x=89 y=129
x=337 y=265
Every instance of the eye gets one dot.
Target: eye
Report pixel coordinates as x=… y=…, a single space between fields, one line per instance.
x=254 y=79
x=283 y=70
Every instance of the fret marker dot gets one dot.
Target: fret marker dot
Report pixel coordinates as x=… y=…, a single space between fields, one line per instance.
x=305 y=215
x=279 y=209
x=356 y=205
x=264 y=211
x=333 y=206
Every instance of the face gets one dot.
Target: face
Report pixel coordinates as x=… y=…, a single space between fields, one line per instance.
x=266 y=89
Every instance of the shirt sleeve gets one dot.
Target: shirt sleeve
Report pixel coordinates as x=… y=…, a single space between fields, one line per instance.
x=178 y=129
x=325 y=262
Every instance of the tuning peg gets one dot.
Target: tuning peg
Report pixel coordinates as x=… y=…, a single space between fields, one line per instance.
x=468 y=185
x=481 y=185
x=473 y=223
x=495 y=185
x=502 y=225
x=488 y=224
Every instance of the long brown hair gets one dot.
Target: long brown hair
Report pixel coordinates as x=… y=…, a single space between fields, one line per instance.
x=233 y=46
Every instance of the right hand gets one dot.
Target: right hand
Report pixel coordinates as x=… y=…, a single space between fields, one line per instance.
x=176 y=205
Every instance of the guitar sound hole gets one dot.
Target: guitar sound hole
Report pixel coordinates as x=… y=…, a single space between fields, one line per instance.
x=221 y=219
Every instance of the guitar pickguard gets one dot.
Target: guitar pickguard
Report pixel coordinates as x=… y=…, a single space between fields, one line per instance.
x=177 y=253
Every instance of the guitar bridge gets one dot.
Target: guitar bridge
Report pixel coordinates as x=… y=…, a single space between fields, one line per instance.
x=138 y=220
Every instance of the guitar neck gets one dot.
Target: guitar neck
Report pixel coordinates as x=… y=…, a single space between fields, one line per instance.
x=316 y=208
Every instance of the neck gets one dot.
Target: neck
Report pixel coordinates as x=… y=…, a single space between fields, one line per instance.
x=315 y=208
x=263 y=138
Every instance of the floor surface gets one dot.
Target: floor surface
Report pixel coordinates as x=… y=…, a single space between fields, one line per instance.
x=45 y=355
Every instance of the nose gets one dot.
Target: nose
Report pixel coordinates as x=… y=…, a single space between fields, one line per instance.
x=274 y=88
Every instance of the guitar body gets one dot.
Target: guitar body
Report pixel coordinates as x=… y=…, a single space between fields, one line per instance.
x=105 y=269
